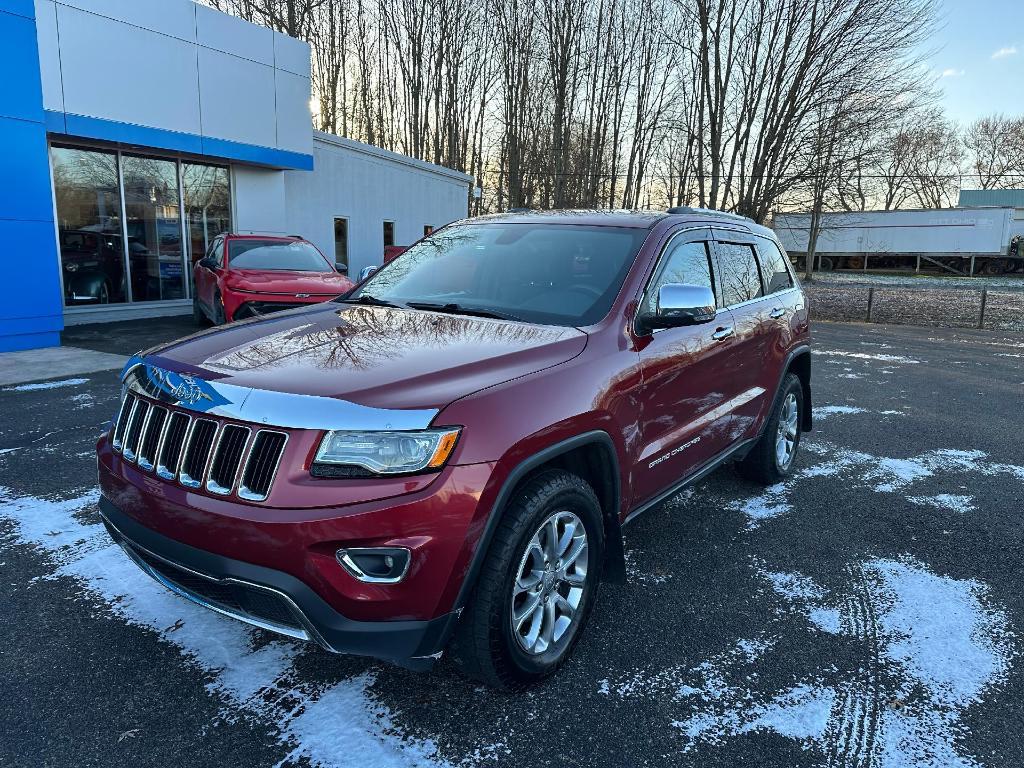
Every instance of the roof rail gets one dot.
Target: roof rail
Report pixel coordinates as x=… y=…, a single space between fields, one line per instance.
x=706 y=211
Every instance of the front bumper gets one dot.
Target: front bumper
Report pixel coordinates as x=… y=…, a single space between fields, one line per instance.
x=271 y=599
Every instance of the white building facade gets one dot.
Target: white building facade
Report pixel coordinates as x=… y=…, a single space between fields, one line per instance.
x=141 y=129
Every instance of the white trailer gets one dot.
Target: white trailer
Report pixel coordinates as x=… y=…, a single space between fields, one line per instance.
x=956 y=239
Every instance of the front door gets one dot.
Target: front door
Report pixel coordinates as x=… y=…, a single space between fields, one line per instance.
x=683 y=424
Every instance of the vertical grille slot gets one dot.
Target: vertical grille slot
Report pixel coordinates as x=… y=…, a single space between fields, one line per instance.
x=261 y=467
x=134 y=432
x=197 y=452
x=173 y=446
x=151 y=437
x=123 y=417
x=226 y=459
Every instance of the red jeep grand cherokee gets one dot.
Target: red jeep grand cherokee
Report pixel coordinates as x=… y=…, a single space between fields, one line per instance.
x=250 y=275
x=448 y=453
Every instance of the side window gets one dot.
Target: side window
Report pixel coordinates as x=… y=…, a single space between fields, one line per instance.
x=683 y=263
x=774 y=269
x=741 y=279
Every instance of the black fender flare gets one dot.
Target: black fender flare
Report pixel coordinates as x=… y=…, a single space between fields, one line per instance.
x=614 y=565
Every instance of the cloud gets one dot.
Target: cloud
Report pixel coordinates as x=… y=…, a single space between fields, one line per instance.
x=952 y=73
x=1002 y=53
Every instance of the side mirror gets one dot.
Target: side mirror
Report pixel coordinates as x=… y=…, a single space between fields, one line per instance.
x=365 y=272
x=207 y=263
x=680 y=304
x=341 y=267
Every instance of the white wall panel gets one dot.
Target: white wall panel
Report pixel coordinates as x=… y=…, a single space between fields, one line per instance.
x=238 y=99
x=224 y=33
x=132 y=75
x=259 y=200
x=49 y=55
x=291 y=55
x=294 y=122
x=170 y=17
x=368 y=186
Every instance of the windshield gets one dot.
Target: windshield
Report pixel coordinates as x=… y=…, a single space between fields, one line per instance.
x=284 y=255
x=555 y=274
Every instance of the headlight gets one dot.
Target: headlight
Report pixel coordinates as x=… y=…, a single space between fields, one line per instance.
x=386 y=453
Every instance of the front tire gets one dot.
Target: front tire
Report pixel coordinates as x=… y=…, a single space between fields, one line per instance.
x=774 y=454
x=537 y=585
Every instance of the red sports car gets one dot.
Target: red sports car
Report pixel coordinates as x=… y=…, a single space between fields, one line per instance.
x=249 y=275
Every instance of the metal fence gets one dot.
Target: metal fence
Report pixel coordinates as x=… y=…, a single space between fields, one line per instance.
x=901 y=305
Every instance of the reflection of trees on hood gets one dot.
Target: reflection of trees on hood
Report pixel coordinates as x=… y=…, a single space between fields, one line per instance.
x=359 y=338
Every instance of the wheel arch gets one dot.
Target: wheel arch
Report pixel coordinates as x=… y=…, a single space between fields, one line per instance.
x=590 y=455
x=799 y=362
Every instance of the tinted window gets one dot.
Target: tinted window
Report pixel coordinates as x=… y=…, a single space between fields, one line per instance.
x=684 y=263
x=558 y=274
x=774 y=269
x=293 y=256
x=741 y=280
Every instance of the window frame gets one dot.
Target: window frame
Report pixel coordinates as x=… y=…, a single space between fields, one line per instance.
x=180 y=160
x=737 y=237
x=691 y=234
x=767 y=242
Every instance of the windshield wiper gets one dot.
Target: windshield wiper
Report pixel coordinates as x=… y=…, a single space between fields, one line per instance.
x=457 y=309
x=373 y=301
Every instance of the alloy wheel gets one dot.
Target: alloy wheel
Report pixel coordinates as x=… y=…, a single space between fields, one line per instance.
x=549 y=584
x=785 y=439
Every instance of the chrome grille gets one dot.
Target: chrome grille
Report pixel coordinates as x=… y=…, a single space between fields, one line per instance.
x=227 y=457
x=261 y=467
x=198 y=446
x=198 y=452
x=133 y=433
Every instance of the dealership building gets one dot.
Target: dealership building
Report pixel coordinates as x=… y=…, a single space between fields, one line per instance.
x=133 y=132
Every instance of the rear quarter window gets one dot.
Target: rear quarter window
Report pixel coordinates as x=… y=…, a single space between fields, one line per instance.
x=774 y=267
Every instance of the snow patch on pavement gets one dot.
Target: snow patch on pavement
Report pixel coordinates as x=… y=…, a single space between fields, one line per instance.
x=826 y=411
x=45 y=385
x=882 y=358
x=331 y=725
x=932 y=647
x=945 y=501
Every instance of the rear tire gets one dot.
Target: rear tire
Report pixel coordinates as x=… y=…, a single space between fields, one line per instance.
x=774 y=454
x=520 y=625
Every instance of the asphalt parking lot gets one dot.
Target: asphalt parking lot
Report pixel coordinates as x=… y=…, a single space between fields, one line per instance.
x=868 y=612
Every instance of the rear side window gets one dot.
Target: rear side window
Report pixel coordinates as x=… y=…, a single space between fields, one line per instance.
x=774 y=270
x=741 y=278
x=684 y=263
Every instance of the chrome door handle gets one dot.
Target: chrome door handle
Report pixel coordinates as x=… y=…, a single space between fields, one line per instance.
x=723 y=333
x=778 y=312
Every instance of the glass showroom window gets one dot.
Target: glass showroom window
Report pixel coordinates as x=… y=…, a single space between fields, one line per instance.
x=89 y=226
x=153 y=223
x=207 y=205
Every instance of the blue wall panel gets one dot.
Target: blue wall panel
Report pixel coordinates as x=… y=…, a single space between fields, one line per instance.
x=25 y=192
x=22 y=92
x=31 y=314
x=26 y=8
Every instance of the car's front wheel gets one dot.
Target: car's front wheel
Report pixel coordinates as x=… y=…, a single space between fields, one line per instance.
x=537 y=585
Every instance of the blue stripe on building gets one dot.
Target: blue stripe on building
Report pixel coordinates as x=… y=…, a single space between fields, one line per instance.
x=31 y=313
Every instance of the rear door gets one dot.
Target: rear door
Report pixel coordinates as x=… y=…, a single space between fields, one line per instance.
x=682 y=423
x=752 y=363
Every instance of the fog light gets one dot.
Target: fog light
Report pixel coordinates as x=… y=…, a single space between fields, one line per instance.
x=375 y=565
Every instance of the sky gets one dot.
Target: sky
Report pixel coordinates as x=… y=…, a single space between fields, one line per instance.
x=979 y=57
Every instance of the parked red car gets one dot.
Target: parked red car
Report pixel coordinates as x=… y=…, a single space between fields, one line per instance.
x=250 y=275
x=446 y=456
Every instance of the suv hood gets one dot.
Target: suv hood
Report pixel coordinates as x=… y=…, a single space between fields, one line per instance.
x=375 y=356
